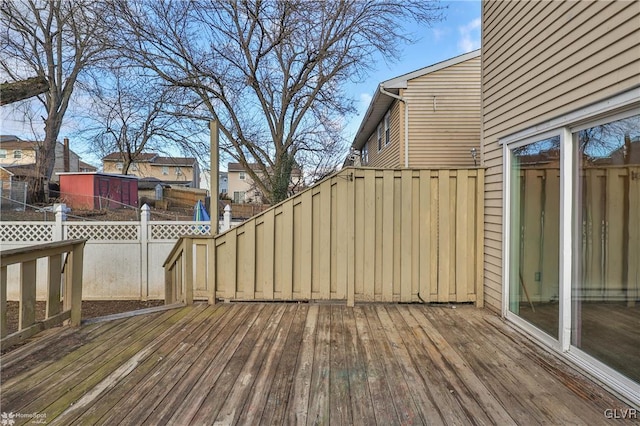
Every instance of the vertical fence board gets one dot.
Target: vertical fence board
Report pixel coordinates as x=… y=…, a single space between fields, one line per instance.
x=369 y=219
x=406 y=231
x=550 y=252
x=359 y=225
x=324 y=263
x=462 y=236
x=305 y=250
x=341 y=237
x=351 y=244
x=415 y=234
x=378 y=228
x=444 y=236
x=248 y=261
x=479 y=232
x=434 y=233
x=387 y=235
x=211 y=271
x=267 y=254
x=426 y=236
x=286 y=262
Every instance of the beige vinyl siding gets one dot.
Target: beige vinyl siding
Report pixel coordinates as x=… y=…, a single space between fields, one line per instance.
x=389 y=155
x=542 y=60
x=442 y=133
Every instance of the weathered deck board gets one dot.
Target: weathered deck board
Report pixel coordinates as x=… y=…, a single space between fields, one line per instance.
x=250 y=363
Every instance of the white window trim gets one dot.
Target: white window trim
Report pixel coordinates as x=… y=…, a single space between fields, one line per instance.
x=617 y=107
x=387 y=129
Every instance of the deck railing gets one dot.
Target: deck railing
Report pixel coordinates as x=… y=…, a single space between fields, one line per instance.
x=360 y=235
x=57 y=265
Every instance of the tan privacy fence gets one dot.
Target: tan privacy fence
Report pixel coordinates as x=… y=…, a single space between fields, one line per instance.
x=360 y=235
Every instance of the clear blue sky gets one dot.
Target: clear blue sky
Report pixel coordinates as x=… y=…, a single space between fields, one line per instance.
x=458 y=33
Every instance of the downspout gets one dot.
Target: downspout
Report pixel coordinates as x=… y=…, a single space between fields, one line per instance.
x=406 y=122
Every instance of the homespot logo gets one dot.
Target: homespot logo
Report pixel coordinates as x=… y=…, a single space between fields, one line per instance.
x=621 y=413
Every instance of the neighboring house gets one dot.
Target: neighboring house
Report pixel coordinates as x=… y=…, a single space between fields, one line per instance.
x=86 y=167
x=426 y=118
x=19 y=156
x=171 y=170
x=223 y=184
x=561 y=138
x=97 y=191
x=5 y=175
x=242 y=189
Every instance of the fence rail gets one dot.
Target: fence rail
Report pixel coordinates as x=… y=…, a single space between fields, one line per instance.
x=360 y=235
x=26 y=258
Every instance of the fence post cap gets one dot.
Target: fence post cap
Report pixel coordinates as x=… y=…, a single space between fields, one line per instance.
x=145 y=207
x=227 y=208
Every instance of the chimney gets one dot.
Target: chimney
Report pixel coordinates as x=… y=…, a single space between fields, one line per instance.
x=66 y=154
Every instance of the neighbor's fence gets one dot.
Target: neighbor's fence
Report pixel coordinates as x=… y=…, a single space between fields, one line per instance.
x=13 y=195
x=62 y=257
x=360 y=235
x=123 y=260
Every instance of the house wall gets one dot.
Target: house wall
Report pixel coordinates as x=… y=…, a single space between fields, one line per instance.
x=389 y=155
x=28 y=156
x=234 y=184
x=444 y=116
x=542 y=60
x=152 y=170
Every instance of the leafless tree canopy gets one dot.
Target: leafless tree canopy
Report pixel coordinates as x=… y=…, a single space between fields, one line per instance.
x=270 y=72
x=55 y=40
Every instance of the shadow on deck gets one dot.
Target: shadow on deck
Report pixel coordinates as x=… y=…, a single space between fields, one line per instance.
x=250 y=363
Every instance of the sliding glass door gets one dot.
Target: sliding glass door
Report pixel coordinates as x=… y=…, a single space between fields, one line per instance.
x=606 y=289
x=535 y=209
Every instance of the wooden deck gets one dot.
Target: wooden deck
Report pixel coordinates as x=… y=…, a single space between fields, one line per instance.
x=253 y=363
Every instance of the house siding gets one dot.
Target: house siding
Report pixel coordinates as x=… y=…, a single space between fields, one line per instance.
x=444 y=116
x=542 y=60
x=389 y=155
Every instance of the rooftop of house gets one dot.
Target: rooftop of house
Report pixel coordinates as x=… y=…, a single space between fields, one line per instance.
x=237 y=167
x=154 y=159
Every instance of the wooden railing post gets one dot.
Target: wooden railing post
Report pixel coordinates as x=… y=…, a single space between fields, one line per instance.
x=188 y=271
x=27 y=315
x=3 y=301
x=77 y=255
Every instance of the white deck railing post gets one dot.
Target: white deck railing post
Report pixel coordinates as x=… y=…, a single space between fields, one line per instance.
x=61 y=216
x=226 y=218
x=145 y=217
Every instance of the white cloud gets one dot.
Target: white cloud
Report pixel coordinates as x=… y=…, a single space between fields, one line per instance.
x=439 y=33
x=470 y=36
x=365 y=99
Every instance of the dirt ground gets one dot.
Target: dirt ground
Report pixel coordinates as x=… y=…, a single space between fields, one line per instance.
x=90 y=309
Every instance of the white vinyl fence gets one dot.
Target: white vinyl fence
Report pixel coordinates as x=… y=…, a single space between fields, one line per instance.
x=122 y=260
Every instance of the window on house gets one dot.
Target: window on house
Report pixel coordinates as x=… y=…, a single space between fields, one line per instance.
x=178 y=171
x=379 y=138
x=387 y=138
x=364 y=155
x=238 y=197
x=17 y=153
x=134 y=167
x=165 y=170
x=119 y=166
x=242 y=176
x=3 y=153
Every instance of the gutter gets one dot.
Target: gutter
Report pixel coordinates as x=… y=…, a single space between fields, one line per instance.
x=406 y=122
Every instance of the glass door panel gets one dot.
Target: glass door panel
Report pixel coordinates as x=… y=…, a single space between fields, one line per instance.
x=534 y=215
x=606 y=270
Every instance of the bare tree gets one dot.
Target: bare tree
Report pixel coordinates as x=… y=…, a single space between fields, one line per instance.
x=129 y=112
x=55 y=40
x=270 y=72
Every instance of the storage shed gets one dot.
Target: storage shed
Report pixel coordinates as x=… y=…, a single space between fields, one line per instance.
x=96 y=190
